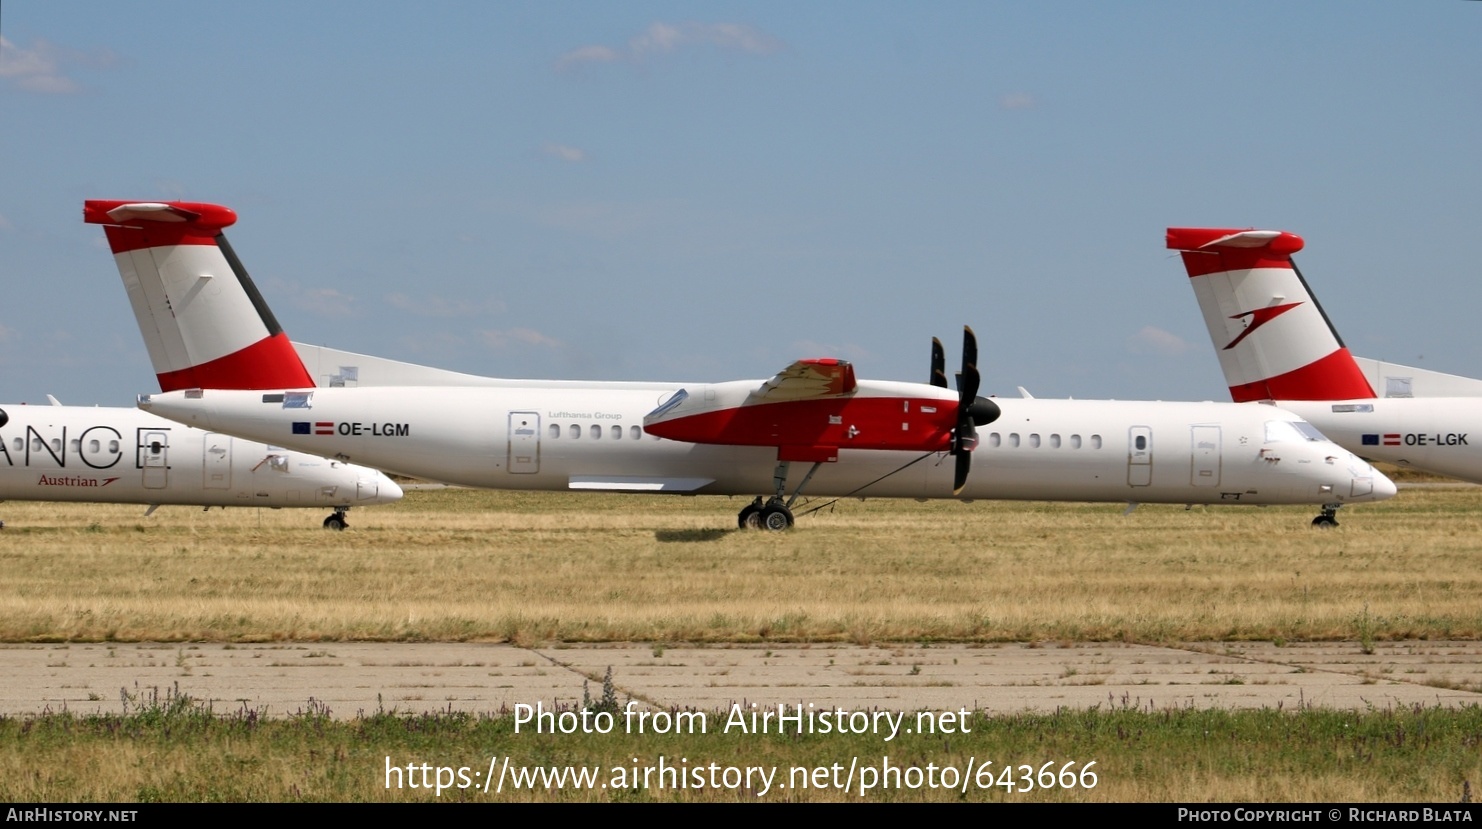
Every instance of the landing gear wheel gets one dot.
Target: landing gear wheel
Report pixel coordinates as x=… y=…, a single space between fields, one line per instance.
x=777 y=518
x=1328 y=517
x=336 y=522
x=751 y=516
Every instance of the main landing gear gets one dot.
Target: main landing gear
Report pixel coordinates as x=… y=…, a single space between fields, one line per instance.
x=337 y=520
x=774 y=514
x=1329 y=516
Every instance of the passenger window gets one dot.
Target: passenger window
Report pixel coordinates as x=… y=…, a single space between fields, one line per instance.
x=1096 y=441
x=1075 y=441
x=94 y=446
x=994 y=440
x=19 y=444
x=617 y=433
x=1014 y=440
x=1034 y=441
x=596 y=432
x=36 y=445
x=575 y=431
x=634 y=432
x=1054 y=441
x=56 y=445
x=1141 y=443
x=75 y=444
x=555 y=430
x=113 y=446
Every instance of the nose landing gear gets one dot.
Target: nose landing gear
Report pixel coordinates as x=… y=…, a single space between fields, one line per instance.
x=1328 y=517
x=337 y=520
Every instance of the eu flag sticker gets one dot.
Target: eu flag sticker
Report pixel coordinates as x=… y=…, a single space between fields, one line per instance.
x=302 y=428
x=1369 y=440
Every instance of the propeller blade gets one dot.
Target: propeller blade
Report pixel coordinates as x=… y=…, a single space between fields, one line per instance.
x=938 y=364
x=969 y=346
x=968 y=379
x=971 y=410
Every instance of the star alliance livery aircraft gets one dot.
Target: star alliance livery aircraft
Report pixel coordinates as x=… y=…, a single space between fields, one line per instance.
x=814 y=428
x=125 y=456
x=1275 y=343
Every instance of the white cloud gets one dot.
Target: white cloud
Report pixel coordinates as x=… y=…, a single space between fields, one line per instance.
x=431 y=305
x=323 y=302
x=500 y=340
x=588 y=54
x=40 y=67
x=1017 y=100
x=662 y=38
x=1154 y=340
x=564 y=153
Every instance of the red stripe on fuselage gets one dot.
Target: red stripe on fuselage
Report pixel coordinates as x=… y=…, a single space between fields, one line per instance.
x=876 y=423
x=266 y=364
x=1334 y=377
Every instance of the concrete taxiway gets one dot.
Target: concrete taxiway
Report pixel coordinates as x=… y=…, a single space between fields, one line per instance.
x=354 y=678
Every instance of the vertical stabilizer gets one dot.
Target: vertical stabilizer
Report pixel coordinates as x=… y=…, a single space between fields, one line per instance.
x=1273 y=339
x=203 y=321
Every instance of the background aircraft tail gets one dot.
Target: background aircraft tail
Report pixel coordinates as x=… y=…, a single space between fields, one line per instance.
x=203 y=321
x=1273 y=339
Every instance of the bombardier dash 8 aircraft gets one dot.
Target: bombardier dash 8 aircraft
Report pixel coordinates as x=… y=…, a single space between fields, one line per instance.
x=125 y=456
x=1275 y=343
x=815 y=429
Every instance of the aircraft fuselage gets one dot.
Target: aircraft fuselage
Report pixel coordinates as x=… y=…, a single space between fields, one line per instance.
x=113 y=455
x=1437 y=434
x=550 y=435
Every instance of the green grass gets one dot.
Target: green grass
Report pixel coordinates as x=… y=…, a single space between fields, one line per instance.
x=168 y=748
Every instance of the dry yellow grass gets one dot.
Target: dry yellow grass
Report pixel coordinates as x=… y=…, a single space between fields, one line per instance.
x=470 y=565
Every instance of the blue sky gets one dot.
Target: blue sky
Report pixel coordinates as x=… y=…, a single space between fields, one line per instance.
x=708 y=191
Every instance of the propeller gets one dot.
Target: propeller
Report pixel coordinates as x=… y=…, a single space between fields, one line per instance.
x=972 y=411
x=938 y=364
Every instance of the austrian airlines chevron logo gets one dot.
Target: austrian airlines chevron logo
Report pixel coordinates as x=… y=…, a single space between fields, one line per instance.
x=1258 y=318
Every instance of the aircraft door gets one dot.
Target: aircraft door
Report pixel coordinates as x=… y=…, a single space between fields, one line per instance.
x=1206 y=459
x=154 y=448
x=1140 y=456
x=524 y=443
x=217 y=461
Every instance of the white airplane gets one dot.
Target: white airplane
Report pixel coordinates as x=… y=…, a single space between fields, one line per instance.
x=225 y=364
x=1275 y=343
x=125 y=456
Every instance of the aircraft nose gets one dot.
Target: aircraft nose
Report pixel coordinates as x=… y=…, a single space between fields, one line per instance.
x=1367 y=483
x=1383 y=487
x=377 y=488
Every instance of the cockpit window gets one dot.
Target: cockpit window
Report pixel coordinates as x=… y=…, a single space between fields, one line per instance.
x=679 y=397
x=1308 y=430
x=1291 y=431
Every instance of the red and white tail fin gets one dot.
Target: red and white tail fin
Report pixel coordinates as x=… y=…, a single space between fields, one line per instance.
x=1272 y=337
x=203 y=321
